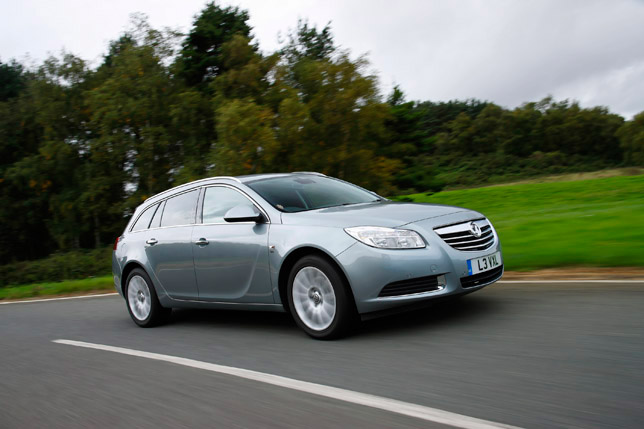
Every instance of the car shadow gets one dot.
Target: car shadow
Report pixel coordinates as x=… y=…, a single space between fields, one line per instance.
x=232 y=318
x=462 y=311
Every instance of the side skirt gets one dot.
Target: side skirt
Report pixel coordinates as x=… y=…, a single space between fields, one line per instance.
x=180 y=303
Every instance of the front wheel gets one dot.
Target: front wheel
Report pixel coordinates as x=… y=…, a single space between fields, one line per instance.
x=142 y=301
x=319 y=299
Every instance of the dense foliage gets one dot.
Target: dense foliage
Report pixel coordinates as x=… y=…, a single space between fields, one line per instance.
x=80 y=147
x=75 y=264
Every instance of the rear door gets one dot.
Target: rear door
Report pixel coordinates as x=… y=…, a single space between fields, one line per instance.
x=168 y=246
x=233 y=265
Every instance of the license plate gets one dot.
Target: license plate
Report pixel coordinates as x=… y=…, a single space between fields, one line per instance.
x=484 y=263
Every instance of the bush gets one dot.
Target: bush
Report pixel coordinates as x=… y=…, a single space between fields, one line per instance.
x=402 y=199
x=76 y=264
x=419 y=179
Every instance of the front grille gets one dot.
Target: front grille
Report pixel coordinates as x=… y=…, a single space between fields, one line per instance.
x=482 y=278
x=409 y=286
x=461 y=236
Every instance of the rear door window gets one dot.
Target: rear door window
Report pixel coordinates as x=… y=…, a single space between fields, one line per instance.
x=144 y=220
x=180 y=210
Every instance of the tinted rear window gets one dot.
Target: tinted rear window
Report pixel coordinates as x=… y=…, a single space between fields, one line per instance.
x=180 y=210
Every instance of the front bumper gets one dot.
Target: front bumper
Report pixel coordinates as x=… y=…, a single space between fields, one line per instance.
x=369 y=270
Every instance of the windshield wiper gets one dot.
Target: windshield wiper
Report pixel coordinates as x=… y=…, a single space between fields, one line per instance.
x=334 y=205
x=345 y=204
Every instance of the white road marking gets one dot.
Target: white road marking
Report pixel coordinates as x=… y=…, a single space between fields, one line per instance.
x=391 y=405
x=59 y=299
x=571 y=281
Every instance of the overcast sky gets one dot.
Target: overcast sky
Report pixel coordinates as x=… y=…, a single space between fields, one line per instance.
x=503 y=51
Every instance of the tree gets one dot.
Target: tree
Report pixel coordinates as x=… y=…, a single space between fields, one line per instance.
x=12 y=79
x=202 y=58
x=523 y=137
x=192 y=132
x=566 y=127
x=247 y=72
x=244 y=125
x=631 y=136
x=132 y=156
x=20 y=134
x=326 y=116
x=59 y=97
x=341 y=120
x=306 y=42
x=436 y=116
x=116 y=47
x=460 y=137
x=489 y=131
x=246 y=140
x=407 y=137
x=41 y=182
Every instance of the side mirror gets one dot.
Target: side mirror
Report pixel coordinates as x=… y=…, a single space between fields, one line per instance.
x=243 y=213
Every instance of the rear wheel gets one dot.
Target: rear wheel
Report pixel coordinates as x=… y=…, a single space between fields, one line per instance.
x=143 y=302
x=319 y=299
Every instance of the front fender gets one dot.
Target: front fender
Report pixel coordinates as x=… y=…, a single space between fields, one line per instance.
x=286 y=239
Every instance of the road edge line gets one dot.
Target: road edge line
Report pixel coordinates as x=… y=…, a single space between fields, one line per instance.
x=25 y=301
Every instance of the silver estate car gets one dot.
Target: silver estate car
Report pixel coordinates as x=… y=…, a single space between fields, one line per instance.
x=325 y=250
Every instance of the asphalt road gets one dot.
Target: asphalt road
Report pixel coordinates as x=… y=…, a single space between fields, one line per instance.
x=530 y=355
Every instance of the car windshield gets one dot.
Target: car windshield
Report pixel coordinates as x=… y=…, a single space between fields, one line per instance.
x=301 y=193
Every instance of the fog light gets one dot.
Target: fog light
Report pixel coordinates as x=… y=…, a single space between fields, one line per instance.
x=441 y=281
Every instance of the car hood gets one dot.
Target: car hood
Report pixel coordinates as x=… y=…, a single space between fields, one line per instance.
x=385 y=213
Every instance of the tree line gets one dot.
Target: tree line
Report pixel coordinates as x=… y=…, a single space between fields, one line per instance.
x=82 y=146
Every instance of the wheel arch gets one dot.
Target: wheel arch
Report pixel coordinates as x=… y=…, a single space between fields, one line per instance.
x=297 y=254
x=127 y=269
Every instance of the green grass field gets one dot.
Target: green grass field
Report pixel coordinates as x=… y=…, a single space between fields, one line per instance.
x=597 y=222
x=57 y=288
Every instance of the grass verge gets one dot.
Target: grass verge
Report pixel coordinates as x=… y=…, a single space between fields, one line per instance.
x=57 y=288
x=598 y=223
x=571 y=177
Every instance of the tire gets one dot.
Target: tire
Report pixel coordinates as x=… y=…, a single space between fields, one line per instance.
x=142 y=301
x=319 y=299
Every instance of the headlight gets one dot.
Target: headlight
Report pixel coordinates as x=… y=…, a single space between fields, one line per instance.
x=386 y=238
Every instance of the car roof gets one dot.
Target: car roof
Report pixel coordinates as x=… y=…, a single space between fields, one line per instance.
x=239 y=179
x=255 y=177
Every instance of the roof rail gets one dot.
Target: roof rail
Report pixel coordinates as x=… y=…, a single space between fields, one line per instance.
x=308 y=172
x=192 y=183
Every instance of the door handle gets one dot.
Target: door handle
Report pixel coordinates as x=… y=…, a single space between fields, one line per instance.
x=152 y=241
x=201 y=242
